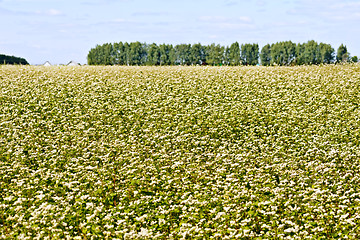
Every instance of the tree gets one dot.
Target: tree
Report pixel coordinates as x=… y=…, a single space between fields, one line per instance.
x=100 y=55
x=327 y=53
x=5 y=59
x=234 y=54
x=165 y=52
x=153 y=54
x=342 y=54
x=280 y=53
x=250 y=54
x=290 y=52
x=299 y=52
x=197 y=54
x=311 y=55
x=226 y=58
x=283 y=53
x=107 y=54
x=137 y=54
x=182 y=52
x=120 y=54
x=314 y=53
x=91 y=57
x=354 y=59
x=172 y=55
x=265 y=55
x=215 y=54
x=276 y=54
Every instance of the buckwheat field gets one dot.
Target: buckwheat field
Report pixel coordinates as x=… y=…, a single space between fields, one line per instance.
x=180 y=152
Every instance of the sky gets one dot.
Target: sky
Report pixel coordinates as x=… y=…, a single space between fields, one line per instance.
x=60 y=31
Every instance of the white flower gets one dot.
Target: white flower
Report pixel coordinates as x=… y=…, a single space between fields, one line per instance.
x=227 y=209
x=289 y=230
x=144 y=232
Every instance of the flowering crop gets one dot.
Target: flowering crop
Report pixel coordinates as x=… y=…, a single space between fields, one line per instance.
x=180 y=152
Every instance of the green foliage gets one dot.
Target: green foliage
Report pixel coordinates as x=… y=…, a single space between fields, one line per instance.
x=281 y=53
x=342 y=54
x=311 y=53
x=250 y=54
x=215 y=55
x=234 y=54
x=4 y=59
x=265 y=55
x=153 y=55
x=119 y=54
x=198 y=54
x=167 y=54
x=314 y=53
x=182 y=52
x=288 y=53
x=327 y=53
x=138 y=54
x=175 y=153
x=354 y=59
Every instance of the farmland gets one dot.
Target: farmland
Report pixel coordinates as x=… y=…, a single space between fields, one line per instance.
x=180 y=152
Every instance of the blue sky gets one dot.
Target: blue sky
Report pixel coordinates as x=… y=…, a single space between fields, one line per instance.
x=62 y=30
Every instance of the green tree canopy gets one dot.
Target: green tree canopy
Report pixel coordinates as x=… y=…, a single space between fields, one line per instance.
x=234 y=54
x=265 y=55
x=327 y=53
x=280 y=53
x=5 y=59
x=215 y=54
x=167 y=54
x=153 y=54
x=183 y=52
x=283 y=53
x=197 y=54
x=250 y=54
x=342 y=54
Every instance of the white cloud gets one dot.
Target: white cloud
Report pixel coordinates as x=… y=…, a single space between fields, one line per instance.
x=119 y=20
x=148 y=13
x=49 y=12
x=331 y=11
x=230 y=3
x=221 y=19
x=227 y=23
x=53 y=12
x=102 y=2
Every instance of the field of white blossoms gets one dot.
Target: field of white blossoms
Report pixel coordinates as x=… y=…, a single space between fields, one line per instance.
x=180 y=152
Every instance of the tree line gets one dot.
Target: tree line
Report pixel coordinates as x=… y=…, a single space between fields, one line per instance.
x=5 y=59
x=281 y=53
x=289 y=53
